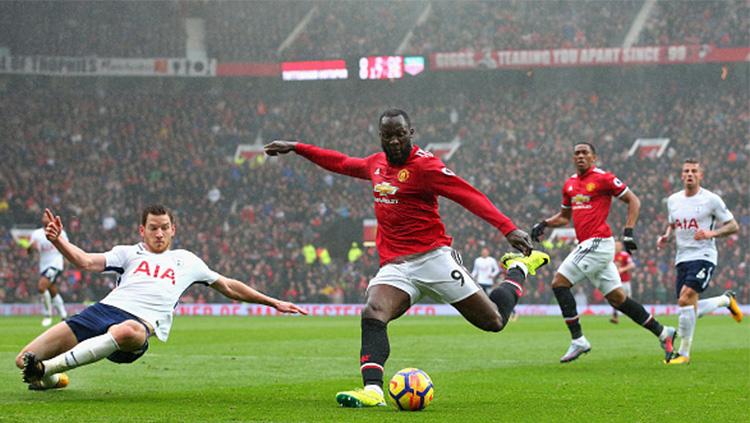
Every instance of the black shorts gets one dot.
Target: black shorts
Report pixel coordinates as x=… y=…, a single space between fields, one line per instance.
x=97 y=319
x=695 y=273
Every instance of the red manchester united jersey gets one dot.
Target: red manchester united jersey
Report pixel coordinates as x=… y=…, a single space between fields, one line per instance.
x=623 y=259
x=590 y=195
x=406 y=198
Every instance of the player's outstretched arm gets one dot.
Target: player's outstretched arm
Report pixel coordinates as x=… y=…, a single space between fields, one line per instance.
x=561 y=218
x=236 y=290
x=332 y=160
x=279 y=147
x=728 y=228
x=75 y=255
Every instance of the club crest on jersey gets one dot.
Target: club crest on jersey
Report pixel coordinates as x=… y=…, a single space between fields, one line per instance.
x=403 y=175
x=590 y=187
x=385 y=189
x=144 y=267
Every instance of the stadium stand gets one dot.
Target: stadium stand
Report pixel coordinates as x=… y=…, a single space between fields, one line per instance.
x=718 y=23
x=255 y=31
x=85 y=28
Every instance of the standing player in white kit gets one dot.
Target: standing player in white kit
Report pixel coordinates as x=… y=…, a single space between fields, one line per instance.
x=693 y=216
x=485 y=269
x=152 y=279
x=50 y=269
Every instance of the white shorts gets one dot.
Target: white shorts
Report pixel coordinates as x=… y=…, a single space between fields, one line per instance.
x=439 y=274
x=626 y=289
x=593 y=259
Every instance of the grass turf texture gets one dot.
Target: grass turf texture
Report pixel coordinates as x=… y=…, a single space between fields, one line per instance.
x=288 y=369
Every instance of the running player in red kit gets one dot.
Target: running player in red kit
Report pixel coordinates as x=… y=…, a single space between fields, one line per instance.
x=415 y=253
x=625 y=264
x=587 y=196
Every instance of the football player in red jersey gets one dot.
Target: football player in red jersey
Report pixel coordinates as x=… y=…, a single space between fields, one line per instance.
x=587 y=196
x=415 y=253
x=625 y=264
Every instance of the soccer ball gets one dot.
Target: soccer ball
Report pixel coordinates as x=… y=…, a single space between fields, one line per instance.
x=410 y=389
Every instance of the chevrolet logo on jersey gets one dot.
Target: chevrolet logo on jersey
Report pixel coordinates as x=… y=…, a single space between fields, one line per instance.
x=385 y=188
x=580 y=198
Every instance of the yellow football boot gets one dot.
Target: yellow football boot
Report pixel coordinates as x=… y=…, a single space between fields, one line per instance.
x=359 y=398
x=733 y=307
x=678 y=359
x=532 y=262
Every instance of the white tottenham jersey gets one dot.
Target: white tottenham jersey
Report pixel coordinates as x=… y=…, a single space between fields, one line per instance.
x=704 y=210
x=150 y=285
x=485 y=270
x=48 y=254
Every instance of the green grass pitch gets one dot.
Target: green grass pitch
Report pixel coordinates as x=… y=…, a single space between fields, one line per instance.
x=288 y=369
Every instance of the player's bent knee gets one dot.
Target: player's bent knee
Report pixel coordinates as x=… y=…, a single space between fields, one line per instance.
x=616 y=297
x=129 y=335
x=559 y=281
x=375 y=311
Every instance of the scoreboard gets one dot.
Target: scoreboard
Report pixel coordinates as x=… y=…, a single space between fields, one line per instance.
x=381 y=67
x=389 y=67
x=369 y=68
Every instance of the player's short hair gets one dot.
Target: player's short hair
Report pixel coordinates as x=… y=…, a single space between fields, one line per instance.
x=156 y=210
x=591 y=146
x=394 y=113
x=693 y=161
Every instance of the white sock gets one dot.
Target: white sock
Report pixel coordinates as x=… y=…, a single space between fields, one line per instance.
x=686 y=328
x=60 y=306
x=86 y=352
x=521 y=266
x=46 y=304
x=710 y=304
x=375 y=388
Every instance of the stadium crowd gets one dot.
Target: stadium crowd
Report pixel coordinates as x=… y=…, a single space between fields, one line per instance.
x=324 y=29
x=86 y=28
x=286 y=226
x=510 y=25
x=716 y=23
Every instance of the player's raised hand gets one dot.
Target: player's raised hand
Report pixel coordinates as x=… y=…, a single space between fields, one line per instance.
x=54 y=228
x=279 y=147
x=287 y=307
x=520 y=241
